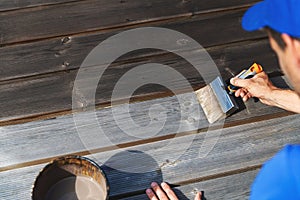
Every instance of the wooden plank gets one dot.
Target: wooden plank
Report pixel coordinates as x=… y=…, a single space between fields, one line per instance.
x=52 y=93
x=45 y=133
x=238 y=149
x=18 y=4
x=18 y=183
x=38 y=23
x=18 y=187
x=233 y=187
x=50 y=55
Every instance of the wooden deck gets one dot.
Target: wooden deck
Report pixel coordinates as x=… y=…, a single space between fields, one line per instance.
x=42 y=45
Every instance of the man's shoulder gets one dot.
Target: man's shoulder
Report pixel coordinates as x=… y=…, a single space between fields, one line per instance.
x=279 y=177
x=290 y=154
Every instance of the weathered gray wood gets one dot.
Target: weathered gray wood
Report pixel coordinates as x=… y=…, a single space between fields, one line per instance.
x=50 y=55
x=238 y=149
x=18 y=4
x=48 y=132
x=77 y=17
x=18 y=187
x=53 y=92
x=233 y=187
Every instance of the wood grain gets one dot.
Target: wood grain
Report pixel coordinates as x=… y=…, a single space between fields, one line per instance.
x=53 y=92
x=19 y=4
x=67 y=53
x=238 y=149
x=38 y=23
x=43 y=43
x=18 y=140
x=233 y=187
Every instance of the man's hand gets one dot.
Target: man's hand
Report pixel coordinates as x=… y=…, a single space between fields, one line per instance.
x=259 y=86
x=164 y=192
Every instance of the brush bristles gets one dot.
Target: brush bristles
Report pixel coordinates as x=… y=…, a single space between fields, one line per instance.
x=209 y=104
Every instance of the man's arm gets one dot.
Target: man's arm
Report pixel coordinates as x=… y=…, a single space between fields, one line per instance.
x=261 y=87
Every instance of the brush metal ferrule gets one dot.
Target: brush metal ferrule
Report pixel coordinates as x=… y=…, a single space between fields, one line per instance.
x=226 y=101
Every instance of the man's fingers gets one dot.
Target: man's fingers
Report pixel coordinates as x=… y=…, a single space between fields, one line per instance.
x=239 y=82
x=170 y=193
x=151 y=195
x=238 y=92
x=241 y=92
x=198 y=196
x=159 y=192
x=245 y=98
x=164 y=192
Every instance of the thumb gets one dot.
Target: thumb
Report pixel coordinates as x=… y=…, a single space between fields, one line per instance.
x=239 y=82
x=198 y=196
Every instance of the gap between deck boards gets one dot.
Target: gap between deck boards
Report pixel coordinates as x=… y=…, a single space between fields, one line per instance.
x=156 y=139
x=230 y=51
x=34 y=37
x=182 y=190
x=197 y=181
x=14 y=6
x=67 y=54
x=233 y=187
x=104 y=105
x=241 y=149
x=258 y=113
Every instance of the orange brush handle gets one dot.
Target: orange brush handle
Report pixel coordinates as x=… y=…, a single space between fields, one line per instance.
x=256 y=68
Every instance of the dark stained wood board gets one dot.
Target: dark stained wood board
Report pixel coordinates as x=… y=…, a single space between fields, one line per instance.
x=29 y=137
x=239 y=149
x=231 y=187
x=59 y=20
x=68 y=53
x=53 y=92
x=19 y=4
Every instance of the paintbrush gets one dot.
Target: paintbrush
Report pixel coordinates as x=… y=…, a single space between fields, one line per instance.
x=217 y=99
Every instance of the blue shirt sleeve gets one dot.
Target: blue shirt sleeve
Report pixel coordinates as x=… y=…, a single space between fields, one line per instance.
x=279 y=177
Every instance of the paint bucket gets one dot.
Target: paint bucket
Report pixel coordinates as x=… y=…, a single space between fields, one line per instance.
x=71 y=178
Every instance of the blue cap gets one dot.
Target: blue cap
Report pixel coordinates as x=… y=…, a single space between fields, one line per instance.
x=279 y=178
x=280 y=15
